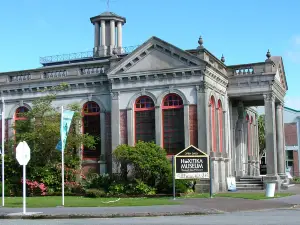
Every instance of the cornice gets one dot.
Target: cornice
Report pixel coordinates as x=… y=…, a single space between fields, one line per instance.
x=159 y=74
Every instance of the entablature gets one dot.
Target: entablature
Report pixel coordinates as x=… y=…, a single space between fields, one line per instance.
x=157 y=75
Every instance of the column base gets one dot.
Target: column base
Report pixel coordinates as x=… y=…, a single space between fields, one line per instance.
x=100 y=51
x=202 y=186
x=273 y=178
x=103 y=167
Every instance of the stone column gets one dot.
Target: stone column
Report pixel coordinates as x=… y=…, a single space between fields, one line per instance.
x=102 y=161
x=119 y=27
x=102 y=51
x=97 y=34
x=112 y=34
x=158 y=126
x=270 y=136
x=115 y=126
x=280 y=141
x=186 y=125
x=203 y=120
x=103 y=33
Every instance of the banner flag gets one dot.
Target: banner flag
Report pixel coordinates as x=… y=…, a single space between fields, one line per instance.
x=66 y=119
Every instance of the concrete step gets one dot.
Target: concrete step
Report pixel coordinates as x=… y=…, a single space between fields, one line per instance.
x=250 y=179
x=250 y=182
x=250 y=188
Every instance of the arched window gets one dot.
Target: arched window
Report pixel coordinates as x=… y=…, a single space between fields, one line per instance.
x=20 y=122
x=144 y=119
x=19 y=114
x=220 y=123
x=173 y=124
x=91 y=126
x=213 y=124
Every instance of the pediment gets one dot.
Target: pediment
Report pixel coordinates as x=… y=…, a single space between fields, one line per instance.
x=280 y=74
x=154 y=55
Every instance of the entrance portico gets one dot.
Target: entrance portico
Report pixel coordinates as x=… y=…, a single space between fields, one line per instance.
x=260 y=84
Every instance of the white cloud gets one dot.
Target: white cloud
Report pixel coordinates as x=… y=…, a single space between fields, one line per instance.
x=293 y=53
x=292 y=102
x=296 y=40
x=294 y=56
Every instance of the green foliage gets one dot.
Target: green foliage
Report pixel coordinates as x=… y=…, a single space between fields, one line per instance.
x=41 y=131
x=147 y=162
x=261 y=134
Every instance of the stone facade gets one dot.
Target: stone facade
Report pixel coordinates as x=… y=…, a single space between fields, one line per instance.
x=191 y=96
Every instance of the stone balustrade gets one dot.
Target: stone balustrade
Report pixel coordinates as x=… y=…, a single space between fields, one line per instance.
x=55 y=74
x=246 y=69
x=47 y=73
x=20 y=77
x=92 y=70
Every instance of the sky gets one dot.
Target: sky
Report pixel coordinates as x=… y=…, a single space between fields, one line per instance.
x=241 y=30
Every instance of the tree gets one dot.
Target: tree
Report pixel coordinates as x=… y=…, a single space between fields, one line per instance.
x=261 y=134
x=41 y=130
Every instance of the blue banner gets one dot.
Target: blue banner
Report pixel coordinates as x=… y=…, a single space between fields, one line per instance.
x=66 y=119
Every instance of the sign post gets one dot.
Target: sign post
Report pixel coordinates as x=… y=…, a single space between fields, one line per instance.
x=173 y=175
x=2 y=149
x=23 y=157
x=192 y=163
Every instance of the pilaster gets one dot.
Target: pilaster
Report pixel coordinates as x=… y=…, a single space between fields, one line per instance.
x=203 y=120
x=130 y=127
x=186 y=125
x=115 y=124
x=102 y=161
x=158 y=126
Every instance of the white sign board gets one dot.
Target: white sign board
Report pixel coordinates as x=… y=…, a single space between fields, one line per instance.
x=23 y=153
x=231 y=184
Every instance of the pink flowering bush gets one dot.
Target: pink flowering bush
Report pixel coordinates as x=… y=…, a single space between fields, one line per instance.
x=34 y=188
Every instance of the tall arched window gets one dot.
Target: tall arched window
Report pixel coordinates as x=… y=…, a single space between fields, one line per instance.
x=20 y=122
x=19 y=114
x=173 y=124
x=144 y=119
x=213 y=124
x=220 y=123
x=91 y=126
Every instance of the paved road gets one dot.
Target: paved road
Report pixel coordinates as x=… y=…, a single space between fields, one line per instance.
x=267 y=217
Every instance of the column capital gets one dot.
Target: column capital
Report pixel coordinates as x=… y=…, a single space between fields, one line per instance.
x=279 y=105
x=115 y=95
x=269 y=97
x=202 y=88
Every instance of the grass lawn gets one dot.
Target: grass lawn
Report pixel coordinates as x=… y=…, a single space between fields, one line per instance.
x=244 y=195
x=70 y=201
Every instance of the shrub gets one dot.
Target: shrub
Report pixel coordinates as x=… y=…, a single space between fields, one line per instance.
x=117 y=189
x=147 y=162
x=74 y=187
x=95 y=193
x=35 y=188
x=140 y=188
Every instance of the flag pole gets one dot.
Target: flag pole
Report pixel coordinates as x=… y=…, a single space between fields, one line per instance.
x=62 y=160
x=2 y=155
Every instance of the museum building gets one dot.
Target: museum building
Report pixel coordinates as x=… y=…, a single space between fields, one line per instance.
x=159 y=92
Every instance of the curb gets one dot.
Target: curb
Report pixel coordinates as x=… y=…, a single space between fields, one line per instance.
x=112 y=215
